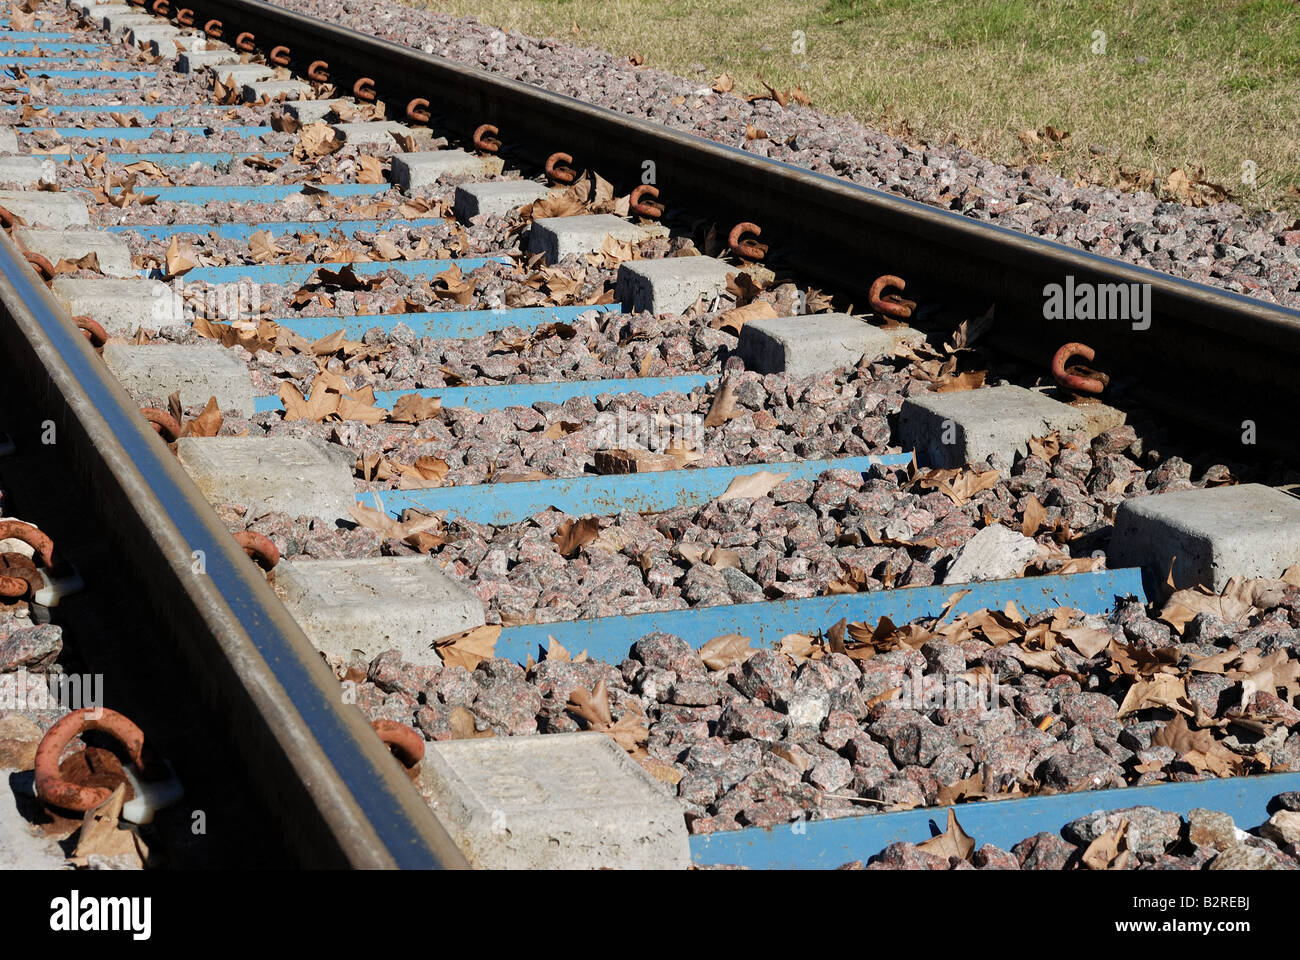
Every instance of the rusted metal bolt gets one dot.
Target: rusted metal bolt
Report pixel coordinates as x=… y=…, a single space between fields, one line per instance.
x=890 y=305
x=645 y=208
x=244 y=42
x=319 y=71
x=160 y=7
x=417 y=111
x=51 y=788
x=185 y=17
x=32 y=536
x=744 y=247
x=364 y=89
x=405 y=744
x=259 y=547
x=95 y=333
x=42 y=265
x=279 y=56
x=485 y=138
x=1080 y=379
x=163 y=423
x=558 y=169
x=18 y=576
x=213 y=29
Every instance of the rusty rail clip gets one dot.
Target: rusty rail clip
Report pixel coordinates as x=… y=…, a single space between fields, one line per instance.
x=485 y=138
x=163 y=423
x=259 y=548
x=1078 y=378
x=744 y=247
x=51 y=787
x=557 y=168
x=890 y=305
x=651 y=209
x=417 y=110
x=405 y=744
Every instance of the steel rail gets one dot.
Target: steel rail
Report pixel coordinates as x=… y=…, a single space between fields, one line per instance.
x=1209 y=356
x=339 y=797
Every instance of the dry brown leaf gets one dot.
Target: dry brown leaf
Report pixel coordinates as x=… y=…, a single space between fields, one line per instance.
x=1035 y=514
x=180 y=259
x=1161 y=690
x=723 y=406
x=953 y=842
x=1089 y=641
x=722 y=83
x=573 y=535
x=722 y=652
x=799 y=647
x=263 y=247
x=753 y=486
x=370 y=169
x=734 y=320
x=413 y=408
x=468 y=648
x=206 y=424
x=463 y=727
x=1233 y=605
x=315 y=140
x=101 y=834
x=1198 y=748
x=1109 y=851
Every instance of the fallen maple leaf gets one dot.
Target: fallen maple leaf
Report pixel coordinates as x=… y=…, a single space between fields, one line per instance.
x=722 y=652
x=953 y=842
x=753 y=486
x=469 y=647
x=573 y=535
x=413 y=408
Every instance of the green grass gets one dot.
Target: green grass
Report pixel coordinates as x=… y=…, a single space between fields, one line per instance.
x=1192 y=84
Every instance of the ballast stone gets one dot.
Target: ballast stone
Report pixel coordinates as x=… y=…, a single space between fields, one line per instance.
x=412 y=171
x=8 y=140
x=995 y=553
x=364 y=607
x=295 y=476
x=970 y=426
x=564 y=801
x=120 y=306
x=40 y=208
x=559 y=237
x=198 y=372
x=110 y=250
x=671 y=284
x=814 y=344
x=495 y=197
x=1210 y=535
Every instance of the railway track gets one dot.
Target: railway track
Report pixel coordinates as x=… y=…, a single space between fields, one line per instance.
x=427 y=426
